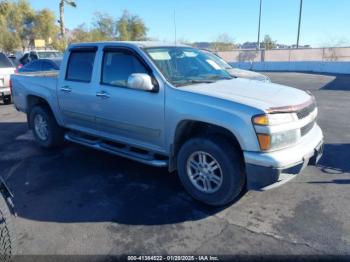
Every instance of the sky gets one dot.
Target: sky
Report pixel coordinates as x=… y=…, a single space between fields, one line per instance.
x=324 y=22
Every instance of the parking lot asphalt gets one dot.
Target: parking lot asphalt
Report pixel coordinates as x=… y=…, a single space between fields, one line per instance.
x=75 y=200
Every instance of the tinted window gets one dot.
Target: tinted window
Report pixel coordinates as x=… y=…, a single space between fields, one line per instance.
x=58 y=63
x=33 y=56
x=4 y=61
x=80 y=66
x=25 y=59
x=118 y=66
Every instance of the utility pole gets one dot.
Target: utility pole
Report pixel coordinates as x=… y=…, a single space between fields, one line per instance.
x=259 y=26
x=300 y=12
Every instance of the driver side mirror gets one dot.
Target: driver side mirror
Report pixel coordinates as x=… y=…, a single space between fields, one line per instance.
x=141 y=82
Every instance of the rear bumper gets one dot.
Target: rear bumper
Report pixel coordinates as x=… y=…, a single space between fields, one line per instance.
x=267 y=170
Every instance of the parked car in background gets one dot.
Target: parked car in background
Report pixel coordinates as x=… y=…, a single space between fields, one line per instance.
x=6 y=69
x=174 y=106
x=41 y=65
x=236 y=72
x=14 y=60
x=39 y=54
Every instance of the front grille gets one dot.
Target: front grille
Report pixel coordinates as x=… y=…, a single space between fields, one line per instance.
x=302 y=113
x=306 y=129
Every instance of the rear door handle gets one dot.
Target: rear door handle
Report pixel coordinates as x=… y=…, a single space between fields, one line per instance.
x=66 y=89
x=103 y=95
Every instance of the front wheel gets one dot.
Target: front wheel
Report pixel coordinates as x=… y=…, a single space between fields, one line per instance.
x=211 y=170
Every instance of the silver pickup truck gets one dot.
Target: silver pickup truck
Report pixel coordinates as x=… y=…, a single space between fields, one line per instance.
x=173 y=106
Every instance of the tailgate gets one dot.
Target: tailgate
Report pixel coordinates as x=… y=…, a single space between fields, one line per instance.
x=5 y=74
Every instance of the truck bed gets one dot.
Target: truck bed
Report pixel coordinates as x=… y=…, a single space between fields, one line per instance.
x=41 y=84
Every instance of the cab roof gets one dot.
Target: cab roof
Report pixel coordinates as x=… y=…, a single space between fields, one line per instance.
x=140 y=44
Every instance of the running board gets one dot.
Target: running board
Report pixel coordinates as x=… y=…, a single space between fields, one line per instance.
x=118 y=149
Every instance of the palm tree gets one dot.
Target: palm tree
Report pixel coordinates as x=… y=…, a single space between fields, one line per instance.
x=62 y=3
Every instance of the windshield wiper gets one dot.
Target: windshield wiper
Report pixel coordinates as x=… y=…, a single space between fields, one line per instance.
x=218 y=77
x=196 y=81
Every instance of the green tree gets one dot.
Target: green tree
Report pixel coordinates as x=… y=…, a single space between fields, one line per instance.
x=44 y=26
x=16 y=18
x=8 y=41
x=104 y=26
x=268 y=43
x=223 y=43
x=131 y=28
x=61 y=8
x=80 y=34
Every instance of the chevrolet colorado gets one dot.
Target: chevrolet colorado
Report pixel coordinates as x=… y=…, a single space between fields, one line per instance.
x=174 y=106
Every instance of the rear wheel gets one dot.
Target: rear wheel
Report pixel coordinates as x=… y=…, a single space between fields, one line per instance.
x=7 y=100
x=46 y=131
x=211 y=170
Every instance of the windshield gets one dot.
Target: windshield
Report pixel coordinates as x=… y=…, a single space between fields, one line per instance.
x=185 y=65
x=43 y=55
x=57 y=62
x=221 y=62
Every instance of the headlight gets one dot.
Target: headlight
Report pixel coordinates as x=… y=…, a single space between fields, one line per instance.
x=274 y=119
x=278 y=140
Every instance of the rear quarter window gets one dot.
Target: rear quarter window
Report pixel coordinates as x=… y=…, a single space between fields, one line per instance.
x=80 y=66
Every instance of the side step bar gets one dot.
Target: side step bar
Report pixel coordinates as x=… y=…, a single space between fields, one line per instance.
x=118 y=149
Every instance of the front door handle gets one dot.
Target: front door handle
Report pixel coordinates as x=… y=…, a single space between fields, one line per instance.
x=103 y=95
x=66 y=89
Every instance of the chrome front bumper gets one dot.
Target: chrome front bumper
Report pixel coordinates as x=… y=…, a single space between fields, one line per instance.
x=275 y=168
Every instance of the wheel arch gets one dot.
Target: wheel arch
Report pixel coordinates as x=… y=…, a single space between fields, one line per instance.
x=192 y=128
x=35 y=100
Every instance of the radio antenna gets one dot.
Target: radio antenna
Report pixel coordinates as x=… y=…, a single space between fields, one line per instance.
x=175 y=39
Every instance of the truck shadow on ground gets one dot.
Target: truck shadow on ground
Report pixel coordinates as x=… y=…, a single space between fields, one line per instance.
x=315 y=81
x=76 y=184
x=340 y=83
x=334 y=181
x=335 y=159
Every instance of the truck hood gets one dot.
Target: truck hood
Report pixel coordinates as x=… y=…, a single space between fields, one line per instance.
x=247 y=74
x=257 y=94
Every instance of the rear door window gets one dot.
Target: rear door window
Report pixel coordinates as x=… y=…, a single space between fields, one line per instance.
x=80 y=66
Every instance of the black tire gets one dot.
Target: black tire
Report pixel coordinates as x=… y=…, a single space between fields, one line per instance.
x=230 y=161
x=7 y=233
x=7 y=100
x=55 y=133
